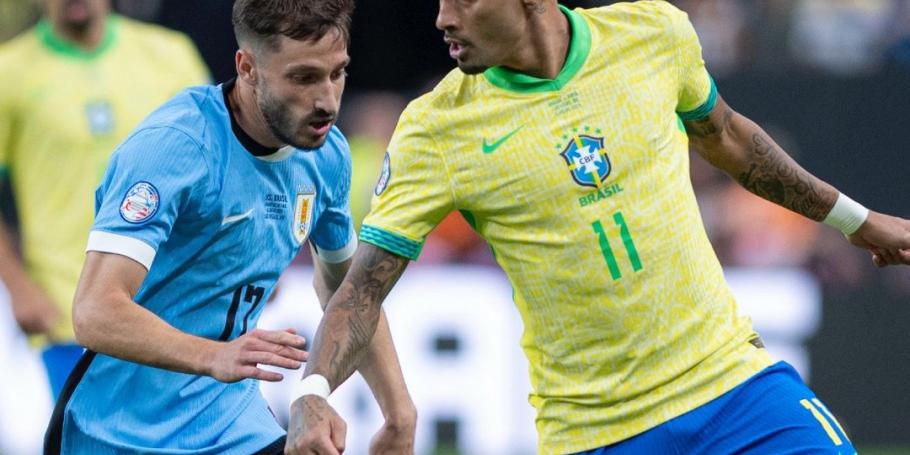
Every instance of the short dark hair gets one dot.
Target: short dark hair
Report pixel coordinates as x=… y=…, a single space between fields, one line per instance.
x=265 y=21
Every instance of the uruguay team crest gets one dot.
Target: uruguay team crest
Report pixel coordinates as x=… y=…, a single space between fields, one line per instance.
x=587 y=160
x=303 y=214
x=140 y=203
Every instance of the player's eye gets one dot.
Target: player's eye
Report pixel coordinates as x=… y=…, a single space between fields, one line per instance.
x=339 y=74
x=303 y=79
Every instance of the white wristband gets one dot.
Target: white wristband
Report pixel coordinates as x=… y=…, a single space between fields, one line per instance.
x=314 y=384
x=847 y=215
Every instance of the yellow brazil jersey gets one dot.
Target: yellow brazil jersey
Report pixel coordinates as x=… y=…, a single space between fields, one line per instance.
x=62 y=113
x=581 y=186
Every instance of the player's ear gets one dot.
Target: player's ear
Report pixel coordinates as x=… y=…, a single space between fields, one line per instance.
x=246 y=66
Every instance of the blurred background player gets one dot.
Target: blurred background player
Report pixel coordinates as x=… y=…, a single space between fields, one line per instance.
x=71 y=89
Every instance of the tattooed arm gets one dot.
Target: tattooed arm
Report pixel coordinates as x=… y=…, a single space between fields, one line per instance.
x=342 y=341
x=741 y=148
x=379 y=367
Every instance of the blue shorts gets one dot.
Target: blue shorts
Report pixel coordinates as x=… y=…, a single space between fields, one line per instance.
x=59 y=360
x=773 y=412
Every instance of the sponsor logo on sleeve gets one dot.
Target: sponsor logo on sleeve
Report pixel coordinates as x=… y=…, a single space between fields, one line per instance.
x=140 y=203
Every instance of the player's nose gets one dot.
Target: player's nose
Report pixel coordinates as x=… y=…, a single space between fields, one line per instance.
x=446 y=19
x=326 y=100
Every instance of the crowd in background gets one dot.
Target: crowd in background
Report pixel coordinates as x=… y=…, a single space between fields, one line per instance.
x=841 y=37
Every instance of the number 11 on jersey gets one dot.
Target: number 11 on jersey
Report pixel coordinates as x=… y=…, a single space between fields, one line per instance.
x=627 y=242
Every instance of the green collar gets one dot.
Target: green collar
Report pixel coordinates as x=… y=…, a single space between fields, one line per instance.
x=64 y=47
x=579 y=47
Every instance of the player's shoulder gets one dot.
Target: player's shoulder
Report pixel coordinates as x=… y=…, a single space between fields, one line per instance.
x=144 y=31
x=453 y=91
x=19 y=50
x=155 y=41
x=643 y=11
x=630 y=17
x=337 y=143
x=24 y=41
x=173 y=142
x=20 y=58
x=429 y=116
x=334 y=156
x=187 y=118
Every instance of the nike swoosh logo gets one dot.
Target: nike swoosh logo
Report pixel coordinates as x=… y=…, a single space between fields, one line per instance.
x=490 y=148
x=235 y=218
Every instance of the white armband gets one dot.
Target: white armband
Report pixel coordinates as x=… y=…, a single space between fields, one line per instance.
x=314 y=384
x=847 y=215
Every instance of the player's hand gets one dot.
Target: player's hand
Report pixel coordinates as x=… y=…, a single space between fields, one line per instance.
x=33 y=309
x=887 y=237
x=314 y=428
x=396 y=437
x=239 y=359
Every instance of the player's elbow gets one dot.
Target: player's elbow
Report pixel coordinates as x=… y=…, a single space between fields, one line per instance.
x=86 y=323
x=81 y=324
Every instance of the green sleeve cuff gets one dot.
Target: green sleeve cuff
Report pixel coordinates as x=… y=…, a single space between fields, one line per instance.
x=391 y=242
x=702 y=111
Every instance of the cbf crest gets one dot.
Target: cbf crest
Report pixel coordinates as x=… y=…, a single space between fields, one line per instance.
x=303 y=214
x=587 y=160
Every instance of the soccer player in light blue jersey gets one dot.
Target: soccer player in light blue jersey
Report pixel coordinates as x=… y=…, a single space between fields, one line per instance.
x=201 y=209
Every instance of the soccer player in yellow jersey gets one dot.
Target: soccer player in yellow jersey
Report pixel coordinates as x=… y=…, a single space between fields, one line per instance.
x=70 y=90
x=563 y=138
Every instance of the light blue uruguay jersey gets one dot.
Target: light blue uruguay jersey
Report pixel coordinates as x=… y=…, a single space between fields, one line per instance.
x=215 y=225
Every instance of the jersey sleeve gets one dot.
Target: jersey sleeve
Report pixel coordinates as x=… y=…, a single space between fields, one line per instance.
x=697 y=94
x=413 y=193
x=157 y=176
x=334 y=238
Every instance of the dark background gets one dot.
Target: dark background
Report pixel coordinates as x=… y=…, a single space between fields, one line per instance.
x=392 y=46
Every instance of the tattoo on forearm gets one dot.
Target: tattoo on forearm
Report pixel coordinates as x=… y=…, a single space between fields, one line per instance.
x=707 y=127
x=336 y=348
x=360 y=298
x=312 y=409
x=539 y=7
x=315 y=409
x=773 y=175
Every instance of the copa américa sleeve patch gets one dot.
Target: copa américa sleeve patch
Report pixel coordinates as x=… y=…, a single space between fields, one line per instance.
x=383 y=176
x=140 y=203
